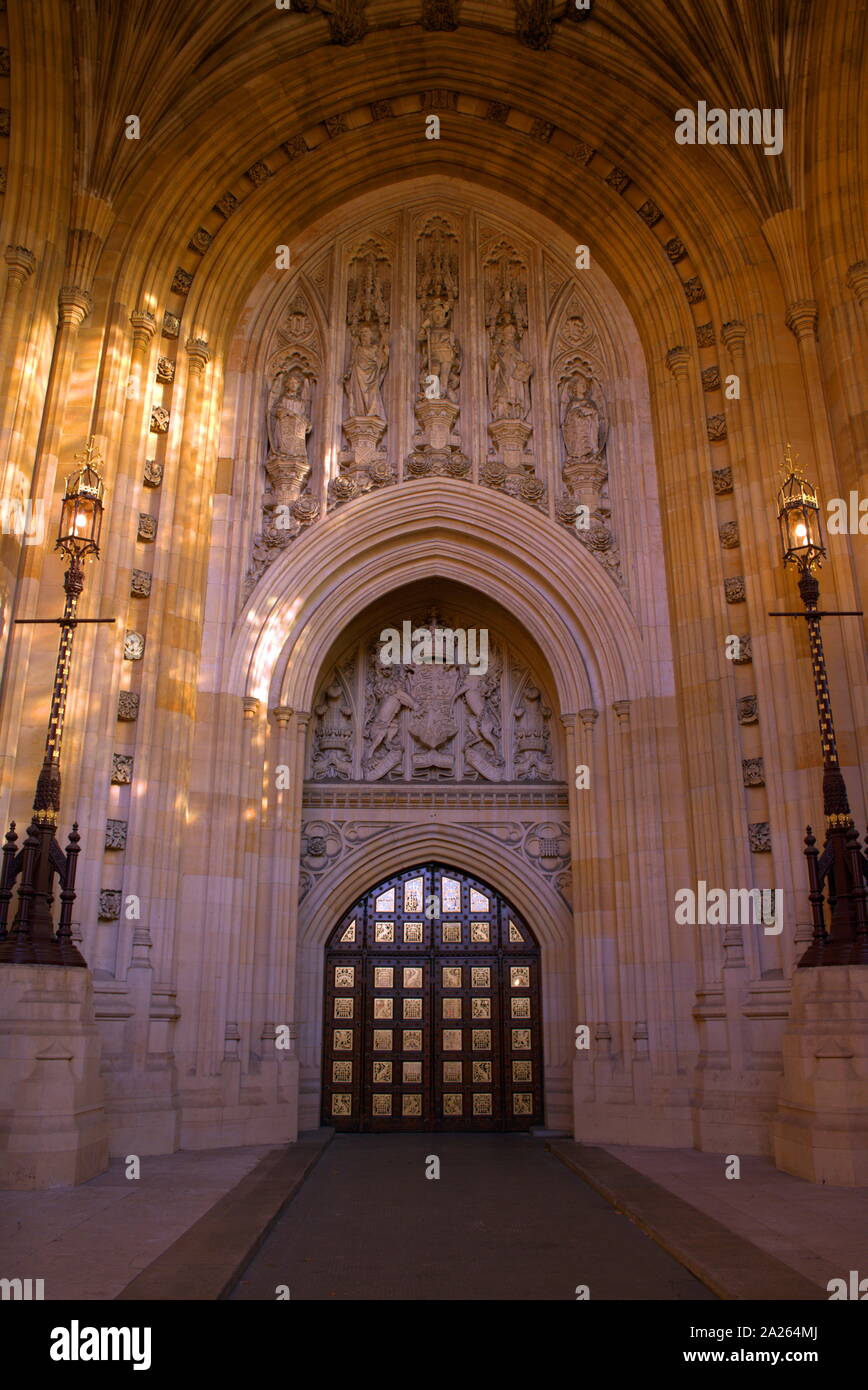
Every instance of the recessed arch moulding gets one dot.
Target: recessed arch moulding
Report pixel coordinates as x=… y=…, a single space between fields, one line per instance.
x=463 y=534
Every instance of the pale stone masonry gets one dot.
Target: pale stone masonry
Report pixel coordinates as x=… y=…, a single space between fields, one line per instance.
x=430 y=405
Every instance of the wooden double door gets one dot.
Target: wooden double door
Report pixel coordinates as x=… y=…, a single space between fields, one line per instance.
x=432 y=1009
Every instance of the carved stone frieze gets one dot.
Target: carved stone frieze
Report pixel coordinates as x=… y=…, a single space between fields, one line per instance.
x=543 y=845
x=467 y=715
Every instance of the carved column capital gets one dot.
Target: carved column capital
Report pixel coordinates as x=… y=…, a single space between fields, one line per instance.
x=678 y=361
x=622 y=711
x=857 y=280
x=251 y=707
x=589 y=718
x=73 y=305
x=199 y=354
x=802 y=317
x=734 y=334
x=282 y=715
x=21 y=263
x=144 y=327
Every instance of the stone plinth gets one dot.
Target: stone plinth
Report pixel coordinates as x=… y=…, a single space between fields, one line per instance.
x=364 y=433
x=287 y=477
x=509 y=438
x=821 y=1128
x=53 y=1128
x=436 y=420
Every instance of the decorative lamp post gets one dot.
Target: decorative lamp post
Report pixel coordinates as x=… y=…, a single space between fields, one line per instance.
x=837 y=876
x=32 y=938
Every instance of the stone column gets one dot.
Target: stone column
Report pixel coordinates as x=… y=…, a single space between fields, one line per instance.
x=73 y=306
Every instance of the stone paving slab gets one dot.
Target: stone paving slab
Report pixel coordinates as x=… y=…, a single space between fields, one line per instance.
x=88 y=1242
x=205 y=1261
x=505 y=1220
x=818 y=1230
x=733 y=1267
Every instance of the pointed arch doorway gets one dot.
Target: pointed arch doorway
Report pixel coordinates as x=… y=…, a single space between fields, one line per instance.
x=432 y=1009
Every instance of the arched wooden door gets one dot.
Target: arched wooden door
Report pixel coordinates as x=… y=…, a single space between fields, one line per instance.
x=432 y=1009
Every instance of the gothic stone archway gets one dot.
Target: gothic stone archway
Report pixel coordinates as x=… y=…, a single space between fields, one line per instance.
x=432 y=1009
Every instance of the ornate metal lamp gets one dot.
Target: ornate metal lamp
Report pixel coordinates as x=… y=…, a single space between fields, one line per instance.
x=32 y=939
x=841 y=870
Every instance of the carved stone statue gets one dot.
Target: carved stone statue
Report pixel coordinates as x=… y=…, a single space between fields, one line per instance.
x=581 y=420
x=440 y=354
x=482 y=737
x=363 y=379
x=388 y=697
x=509 y=373
x=289 y=407
x=533 y=741
x=332 y=741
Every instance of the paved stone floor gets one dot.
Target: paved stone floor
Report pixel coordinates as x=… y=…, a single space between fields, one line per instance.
x=505 y=1220
x=90 y=1241
x=820 y=1231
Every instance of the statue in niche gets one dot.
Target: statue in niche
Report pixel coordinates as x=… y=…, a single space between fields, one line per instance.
x=582 y=422
x=439 y=352
x=509 y=373
x=363 y=379
x=332 y=744
x=289 y=410
x=533 y=761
